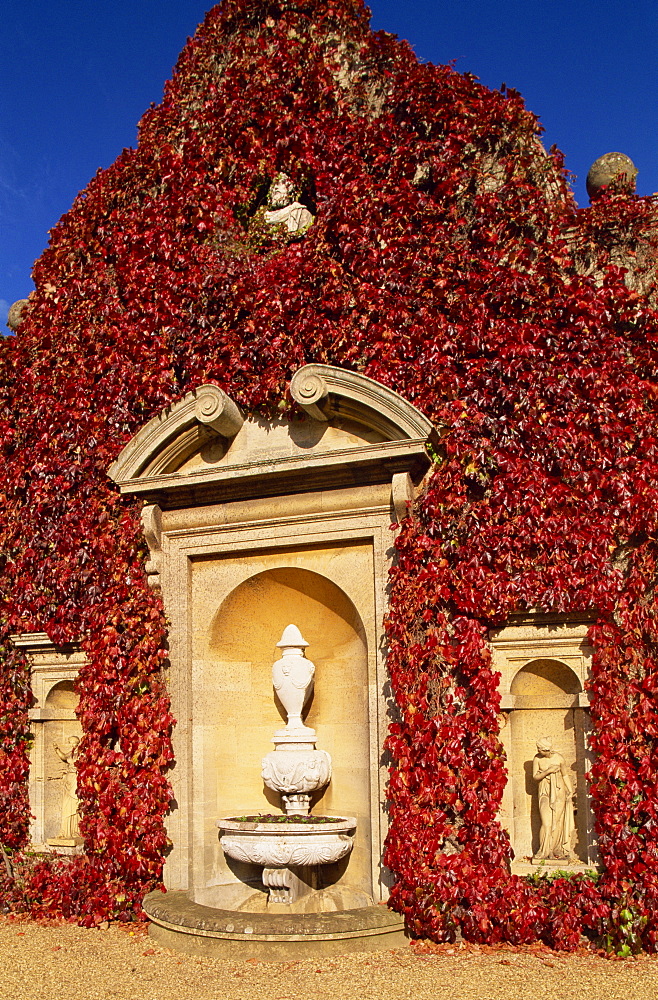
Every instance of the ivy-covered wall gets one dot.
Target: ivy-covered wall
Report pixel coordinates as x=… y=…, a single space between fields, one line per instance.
x=446 y=261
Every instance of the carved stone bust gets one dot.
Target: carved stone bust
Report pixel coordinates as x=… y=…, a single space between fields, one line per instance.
x=284 y=209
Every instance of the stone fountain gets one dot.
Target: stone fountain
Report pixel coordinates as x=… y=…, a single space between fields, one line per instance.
x=292 y=913
x=291 y=853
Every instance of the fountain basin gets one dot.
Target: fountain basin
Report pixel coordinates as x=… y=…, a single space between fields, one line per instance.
x=287 y=845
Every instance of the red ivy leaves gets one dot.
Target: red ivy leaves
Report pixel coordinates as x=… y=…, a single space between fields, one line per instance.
x=446 y=260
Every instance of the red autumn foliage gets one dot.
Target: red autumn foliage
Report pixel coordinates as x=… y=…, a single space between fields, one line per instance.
x=446 y=261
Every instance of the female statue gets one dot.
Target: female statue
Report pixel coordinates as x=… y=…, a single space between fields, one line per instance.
x=70 y=829
x=549 y=770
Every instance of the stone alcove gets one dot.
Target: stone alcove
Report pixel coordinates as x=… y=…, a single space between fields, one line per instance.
x=59 y=725
x=53 y=719
x=252 y=524
x=544 y=665
x=234 y=650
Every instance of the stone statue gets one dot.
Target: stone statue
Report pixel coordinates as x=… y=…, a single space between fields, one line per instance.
x=549 y=770
x=70 y=829
x=283 y=209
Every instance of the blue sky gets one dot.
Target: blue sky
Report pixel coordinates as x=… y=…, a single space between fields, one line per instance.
x=78 y=74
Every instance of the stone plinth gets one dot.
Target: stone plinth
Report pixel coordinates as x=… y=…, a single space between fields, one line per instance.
x=179 y=923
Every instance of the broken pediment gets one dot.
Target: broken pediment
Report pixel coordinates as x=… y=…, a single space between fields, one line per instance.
x=202 y=449
x=179 y=430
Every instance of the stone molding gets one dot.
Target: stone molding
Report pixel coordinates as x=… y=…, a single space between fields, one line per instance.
x=149 y=464
x=325 y=391
x=538 y=637
x=50 y=665
x=179 y=430
x=40 y=642
x=367 y=465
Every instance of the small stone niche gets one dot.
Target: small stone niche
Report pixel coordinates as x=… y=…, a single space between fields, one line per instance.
x=53 y=721
x=544 y=665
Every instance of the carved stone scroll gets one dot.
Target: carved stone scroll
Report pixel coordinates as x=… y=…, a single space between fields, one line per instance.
x=218 y=411
x=310 y=390
x=152 y=525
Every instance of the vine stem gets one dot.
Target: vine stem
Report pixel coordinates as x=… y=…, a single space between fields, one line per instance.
x=7 y=863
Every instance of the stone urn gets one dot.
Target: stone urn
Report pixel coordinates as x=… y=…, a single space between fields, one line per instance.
x=296 y=768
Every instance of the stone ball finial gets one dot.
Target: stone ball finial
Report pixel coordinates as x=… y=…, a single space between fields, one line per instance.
x=15 y=314
x=608 y=168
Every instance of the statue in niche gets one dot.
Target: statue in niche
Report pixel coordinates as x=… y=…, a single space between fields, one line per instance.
x=284 y=209
x=70 y=829
x=549 y=770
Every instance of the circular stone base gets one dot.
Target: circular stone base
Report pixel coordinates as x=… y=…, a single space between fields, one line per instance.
x=179 y=923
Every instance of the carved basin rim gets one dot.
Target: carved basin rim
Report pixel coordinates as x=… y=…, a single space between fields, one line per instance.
x=287 y=845
x=274 y=830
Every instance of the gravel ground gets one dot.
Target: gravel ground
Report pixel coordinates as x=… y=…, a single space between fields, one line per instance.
x=42 y=961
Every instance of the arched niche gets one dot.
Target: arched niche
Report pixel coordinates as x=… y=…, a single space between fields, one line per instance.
x=543 y=679
x=61 y=724
x=62 y=695
x=546 y=693
x=544 y=662
x=231 y=496
x=241 y=714
x=52 y=720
